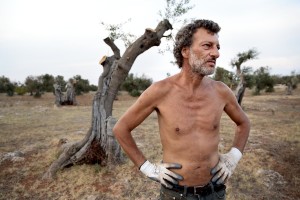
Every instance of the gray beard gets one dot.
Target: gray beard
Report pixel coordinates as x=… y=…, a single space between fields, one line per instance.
x=198 y=66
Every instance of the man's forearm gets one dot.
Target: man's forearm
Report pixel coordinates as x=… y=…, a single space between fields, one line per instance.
x=128 y=144
x=241 y=136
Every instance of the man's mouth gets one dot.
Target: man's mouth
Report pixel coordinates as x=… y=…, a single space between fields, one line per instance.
x=211 y=62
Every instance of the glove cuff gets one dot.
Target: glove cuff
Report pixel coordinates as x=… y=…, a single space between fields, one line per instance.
x=144 y=165
x=147 y=168
x=236 y=153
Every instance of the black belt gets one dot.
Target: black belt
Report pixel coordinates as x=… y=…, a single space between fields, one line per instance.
x=199 y=190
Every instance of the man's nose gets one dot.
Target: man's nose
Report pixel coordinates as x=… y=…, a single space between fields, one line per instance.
x=215 y=52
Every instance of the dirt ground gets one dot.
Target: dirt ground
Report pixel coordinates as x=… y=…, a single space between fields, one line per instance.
x=31 y=128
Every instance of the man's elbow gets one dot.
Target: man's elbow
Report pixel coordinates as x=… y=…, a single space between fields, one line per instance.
x=116 y=131
x=120 y=130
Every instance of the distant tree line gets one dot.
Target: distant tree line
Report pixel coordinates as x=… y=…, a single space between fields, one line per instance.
x=135 y=85
x=258 y=80
x=37 y=85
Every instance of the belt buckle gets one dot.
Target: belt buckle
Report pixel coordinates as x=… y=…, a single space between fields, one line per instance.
x=195 y=190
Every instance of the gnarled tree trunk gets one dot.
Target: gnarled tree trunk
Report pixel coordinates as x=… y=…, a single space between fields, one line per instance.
x=59 y=96
x=237 y=62
x=69 y=98
x=240 y=90
x=99 y=144
x=289 y=89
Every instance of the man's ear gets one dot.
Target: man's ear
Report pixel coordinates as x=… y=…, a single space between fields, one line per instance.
x=185 y=52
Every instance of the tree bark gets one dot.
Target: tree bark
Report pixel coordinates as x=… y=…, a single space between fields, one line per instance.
x=289 y=89
x=239 y=93
x=59 y=98
x=240 y=90
x=70 y=94
x=99 y=145
x=69 y=98
x=237 y=62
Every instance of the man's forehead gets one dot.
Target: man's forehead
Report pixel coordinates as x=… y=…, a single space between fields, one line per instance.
x=205 y=35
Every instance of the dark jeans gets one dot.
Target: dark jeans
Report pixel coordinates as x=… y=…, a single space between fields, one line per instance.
x=169 y=194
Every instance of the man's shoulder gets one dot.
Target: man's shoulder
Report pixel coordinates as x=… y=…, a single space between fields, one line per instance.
x=163 y=85
x=156 y=92
x=219 y=86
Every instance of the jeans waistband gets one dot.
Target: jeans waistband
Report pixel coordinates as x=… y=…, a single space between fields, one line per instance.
x=199 y=190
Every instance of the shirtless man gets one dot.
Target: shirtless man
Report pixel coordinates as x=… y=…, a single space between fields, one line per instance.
x=189 y=106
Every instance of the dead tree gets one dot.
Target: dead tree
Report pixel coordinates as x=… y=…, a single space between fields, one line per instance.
x=59 y=98
x=99 y=144
x=69 y=98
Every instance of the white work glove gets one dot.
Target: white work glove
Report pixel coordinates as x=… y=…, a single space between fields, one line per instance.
x=160 y=172
x=226 y=166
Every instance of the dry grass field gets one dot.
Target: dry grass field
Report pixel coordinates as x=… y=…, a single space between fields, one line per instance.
x=31 y=128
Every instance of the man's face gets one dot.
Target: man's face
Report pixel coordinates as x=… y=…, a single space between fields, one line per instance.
x=204 y=52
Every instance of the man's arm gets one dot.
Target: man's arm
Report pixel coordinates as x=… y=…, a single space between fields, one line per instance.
x=135 y=115
x=238 y=116
x=229 y=161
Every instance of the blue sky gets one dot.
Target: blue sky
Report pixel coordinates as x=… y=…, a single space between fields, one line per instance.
x=65 y=37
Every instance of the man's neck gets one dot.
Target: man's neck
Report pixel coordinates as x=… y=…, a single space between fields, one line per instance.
x=190 y=79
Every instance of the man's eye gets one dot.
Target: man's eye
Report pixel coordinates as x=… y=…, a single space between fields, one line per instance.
x=207 y=46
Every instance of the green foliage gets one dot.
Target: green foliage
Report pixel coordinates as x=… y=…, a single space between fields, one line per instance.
x=135 y=93
x=134 y=85
x=21 y=89
x=37 y=85
x=263 y=80
x=175 y=9
x=225 y=76
x=93 y=87
x=60 y=81
x=82 y=85
x=173 y=12
x=284 y=80
x=115 y=32
x=37 y=94
x=10 y=88
x=249 y=79
x=240 y=73
x=47 y=82
x=6 y=86
x=231 y=80
x=243 y=57
x=290 y=81
x=34 y=85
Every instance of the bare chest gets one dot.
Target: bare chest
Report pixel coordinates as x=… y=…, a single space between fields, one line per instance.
x=190 y=115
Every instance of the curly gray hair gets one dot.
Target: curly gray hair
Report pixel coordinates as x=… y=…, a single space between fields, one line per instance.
x=184 y=37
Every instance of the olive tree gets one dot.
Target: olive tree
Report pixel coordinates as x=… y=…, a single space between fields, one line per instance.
x=237 y=62
x=99 y=145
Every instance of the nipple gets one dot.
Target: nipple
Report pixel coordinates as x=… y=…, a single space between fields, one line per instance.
x=215 y=127
x=177 y=130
